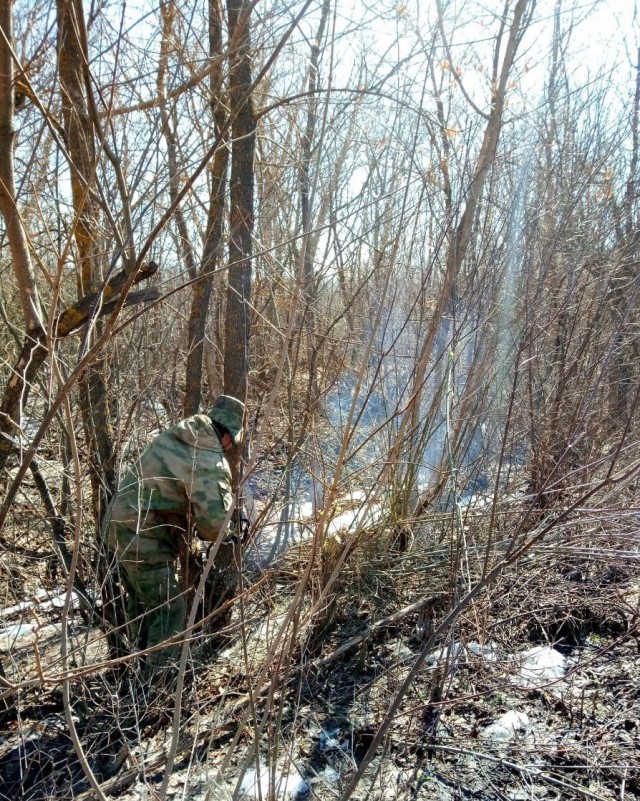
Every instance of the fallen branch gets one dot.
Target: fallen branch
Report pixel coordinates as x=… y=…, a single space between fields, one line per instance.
x=385 y=623
x=104 y=300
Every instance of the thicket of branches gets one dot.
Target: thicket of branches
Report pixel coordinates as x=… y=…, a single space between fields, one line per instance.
x=408 y=236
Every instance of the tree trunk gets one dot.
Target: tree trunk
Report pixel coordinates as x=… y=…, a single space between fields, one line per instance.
x=170 y=129
x=211 y=256
x=80 y=140
x=309 y=279
x=461 y=237
x=34 y=350
x=238 y=317
x=625 y=368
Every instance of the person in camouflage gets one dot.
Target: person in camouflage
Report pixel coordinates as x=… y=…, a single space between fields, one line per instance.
x=181 y=483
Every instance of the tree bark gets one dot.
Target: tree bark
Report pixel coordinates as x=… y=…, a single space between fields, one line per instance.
x=34 y=349
x=241 y=219
x=304 y=178
x=80 y=138
x=212 y=250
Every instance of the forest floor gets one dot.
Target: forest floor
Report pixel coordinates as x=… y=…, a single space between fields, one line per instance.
x=534 y=694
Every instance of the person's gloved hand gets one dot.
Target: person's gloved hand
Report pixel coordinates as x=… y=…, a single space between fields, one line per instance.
x=240 y=523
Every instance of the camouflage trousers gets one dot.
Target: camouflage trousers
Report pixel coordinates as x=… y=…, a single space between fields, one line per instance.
x=156 y=606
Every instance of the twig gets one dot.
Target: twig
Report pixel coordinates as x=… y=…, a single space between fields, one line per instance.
x=533 y=770
x=386 y=622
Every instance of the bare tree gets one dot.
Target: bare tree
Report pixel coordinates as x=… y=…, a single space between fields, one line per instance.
x=80 y=138
x=34 y=348
x=212 y=246
x=241 y=220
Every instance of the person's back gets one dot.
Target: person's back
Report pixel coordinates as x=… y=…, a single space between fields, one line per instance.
x=180 y=485
x=182 y=472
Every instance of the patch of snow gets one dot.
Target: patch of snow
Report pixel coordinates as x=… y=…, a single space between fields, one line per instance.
x=328 y=741
x=289 y=525
x=540 y=665
x=42 y=601
x=258 y=783
x=328 y=775
x=355 y=518
x=294 y=524
x=473 y=500
x=488 y=652
x=398 y=650
x=303 y=510
x=23 y=634
x=357 y=496
x=24 y=606
x=507 y=727
x=448 y=653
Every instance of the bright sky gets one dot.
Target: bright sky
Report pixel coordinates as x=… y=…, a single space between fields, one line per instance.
x=606 y=34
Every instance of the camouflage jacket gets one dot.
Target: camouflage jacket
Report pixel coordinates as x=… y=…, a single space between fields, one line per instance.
x=182 y=474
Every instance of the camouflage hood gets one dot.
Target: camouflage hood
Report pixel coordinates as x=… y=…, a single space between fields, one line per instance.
x=198 y=432
x=228 y=412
